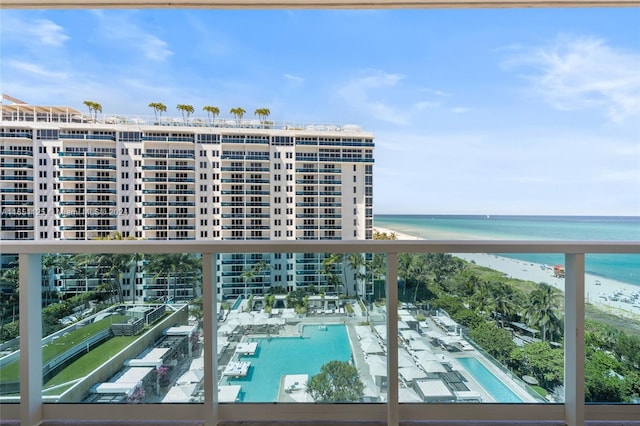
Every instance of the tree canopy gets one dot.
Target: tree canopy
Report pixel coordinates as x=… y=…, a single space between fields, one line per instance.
x=338 y=381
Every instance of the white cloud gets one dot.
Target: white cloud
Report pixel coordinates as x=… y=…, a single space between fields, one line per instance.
x=294 y=78
x=359 y=93
x=427 y=105
x=118 y=28
x=436 y=92
x=586 y=73
x=154 y=48
x=33 y=32
x=459 y=110
x=36 y=70
x=49 y=33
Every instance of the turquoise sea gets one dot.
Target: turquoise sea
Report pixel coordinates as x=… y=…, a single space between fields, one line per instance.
x=625 y=268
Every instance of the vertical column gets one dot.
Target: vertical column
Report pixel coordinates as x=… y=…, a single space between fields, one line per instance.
x=209 y=328
x=30 y=339
x=574 y=339
x=392 y=339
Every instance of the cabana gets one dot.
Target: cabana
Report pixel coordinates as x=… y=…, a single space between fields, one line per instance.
x=434 y=390
x=229 y=393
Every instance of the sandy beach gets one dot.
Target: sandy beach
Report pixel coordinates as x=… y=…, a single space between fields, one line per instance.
x=595 y=294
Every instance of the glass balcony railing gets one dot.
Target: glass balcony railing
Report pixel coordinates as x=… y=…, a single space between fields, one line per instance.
x=192 y=324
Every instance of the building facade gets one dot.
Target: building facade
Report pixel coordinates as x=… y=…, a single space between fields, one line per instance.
x=69 y=176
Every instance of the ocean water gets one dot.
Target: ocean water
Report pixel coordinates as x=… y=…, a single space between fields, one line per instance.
x=624 y=268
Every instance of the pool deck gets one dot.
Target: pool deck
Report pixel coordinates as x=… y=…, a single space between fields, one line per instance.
x=360 y=359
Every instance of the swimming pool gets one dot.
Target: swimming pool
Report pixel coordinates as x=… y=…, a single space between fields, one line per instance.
x=494 y=387
x=237 y=303
x=279 y=356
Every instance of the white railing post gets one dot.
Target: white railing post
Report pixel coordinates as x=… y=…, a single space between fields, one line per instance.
x=574 y=339
x=209 y=327
x=30 y=282
x=392 y=340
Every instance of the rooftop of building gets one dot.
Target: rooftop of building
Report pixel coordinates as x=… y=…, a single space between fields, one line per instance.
x=15 y=110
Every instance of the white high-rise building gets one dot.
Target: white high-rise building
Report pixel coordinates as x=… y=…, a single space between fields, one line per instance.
x=65 y=175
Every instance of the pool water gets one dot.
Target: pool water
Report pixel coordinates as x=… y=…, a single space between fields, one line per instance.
x=491 y=384
x=278 y=356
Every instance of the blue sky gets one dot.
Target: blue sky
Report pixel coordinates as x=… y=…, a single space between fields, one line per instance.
x=510 y=111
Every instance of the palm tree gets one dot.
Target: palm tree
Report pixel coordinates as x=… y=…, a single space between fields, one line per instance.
x=48 y=265
x=212 y=112
x=113 y=267
x=238 y=113
x=481 y=301
x=404 y=265
x=185 y=109
x=158 y=107
x=9 y=299
x=421 y=272
x=329 y=270
x=249 y=274
x=64 y=263
x=503 y=302
x=172 y=266
x=262 y=114
x=94 y=107
x=357 y=263
x=541 y=310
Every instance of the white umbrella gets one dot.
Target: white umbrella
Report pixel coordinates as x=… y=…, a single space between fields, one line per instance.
x=227 y=328
x=180 y=393
x=408 y=395
x=404 y=359
x=371 y=347
x=410 y=334
x=412 y=373
x=196 y=364
x=433 y=367
x=363 y=331
x=419 y=345
x=424 y=357
x=191 y=376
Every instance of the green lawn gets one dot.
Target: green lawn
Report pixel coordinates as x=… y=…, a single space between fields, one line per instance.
x=89 y=361
x=11 y=371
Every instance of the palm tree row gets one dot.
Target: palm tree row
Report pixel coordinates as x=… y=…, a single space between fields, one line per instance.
x=186 y=110
x=445 y=279
x=212 y=112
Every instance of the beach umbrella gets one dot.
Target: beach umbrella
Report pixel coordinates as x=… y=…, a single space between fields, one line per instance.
x=423 y=357
x=409 y=334
x=408 y=395
x=275 y=321
x=402 y=325
x=404 y=359
x=363 y=331
x=381 y=330
x=227 y=328
x=191 y=376
x=419 y=345
x=371 y=347
x=411 y=373
x=180 y=393
x=196 y=364
x=433 y=367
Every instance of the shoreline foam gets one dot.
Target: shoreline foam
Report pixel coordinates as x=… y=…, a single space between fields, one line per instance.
x=542 y=274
